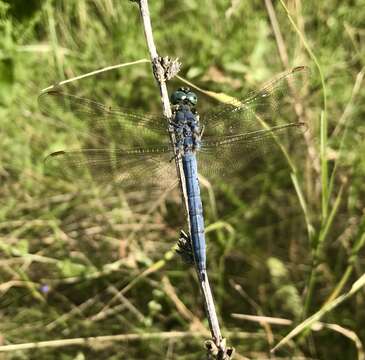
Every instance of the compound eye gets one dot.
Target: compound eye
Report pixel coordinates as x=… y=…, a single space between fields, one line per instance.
x=192 y=98
x=177 y=97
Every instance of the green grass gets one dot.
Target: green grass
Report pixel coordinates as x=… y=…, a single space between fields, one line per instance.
x=281 y=244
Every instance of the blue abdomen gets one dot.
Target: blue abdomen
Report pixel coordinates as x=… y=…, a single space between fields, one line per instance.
x=195 y=209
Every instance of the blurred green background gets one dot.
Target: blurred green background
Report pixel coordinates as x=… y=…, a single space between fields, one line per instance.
x=75 y=262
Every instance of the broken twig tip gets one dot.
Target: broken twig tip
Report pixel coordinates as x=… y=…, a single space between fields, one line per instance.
x=165 y=68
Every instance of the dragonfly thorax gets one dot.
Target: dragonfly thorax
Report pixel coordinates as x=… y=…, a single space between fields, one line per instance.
x=186 y=127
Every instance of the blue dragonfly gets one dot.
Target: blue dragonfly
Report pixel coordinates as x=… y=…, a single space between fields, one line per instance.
x=143 y=155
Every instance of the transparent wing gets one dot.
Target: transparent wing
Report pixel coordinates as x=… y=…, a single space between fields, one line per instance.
x=133 y=168
x=221 y=156
x=259 y=109
x=247 y=130
x=103 y=123
x=119 y=146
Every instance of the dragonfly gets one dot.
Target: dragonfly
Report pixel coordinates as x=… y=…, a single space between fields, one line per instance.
x=148 y=150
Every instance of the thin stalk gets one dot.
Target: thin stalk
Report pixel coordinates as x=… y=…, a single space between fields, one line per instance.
x=54 y=40
x=111 y=339
x=309 y=322
x=95 y=72
x=319 y=249
x=359 y=244
x=326 y=218
x=159 y=74
x=324 y=166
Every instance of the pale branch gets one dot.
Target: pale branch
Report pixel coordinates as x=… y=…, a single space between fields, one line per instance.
x=164 y=69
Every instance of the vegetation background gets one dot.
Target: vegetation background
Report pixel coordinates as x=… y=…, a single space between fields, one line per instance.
x=75 y=262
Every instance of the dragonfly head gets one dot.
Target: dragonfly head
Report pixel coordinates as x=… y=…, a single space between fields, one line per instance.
x=183 y=95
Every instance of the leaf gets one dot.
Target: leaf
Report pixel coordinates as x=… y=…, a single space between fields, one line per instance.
x=309 y=322
x=69 y=268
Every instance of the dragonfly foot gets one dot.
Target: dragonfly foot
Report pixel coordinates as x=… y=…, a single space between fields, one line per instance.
x=184 y=248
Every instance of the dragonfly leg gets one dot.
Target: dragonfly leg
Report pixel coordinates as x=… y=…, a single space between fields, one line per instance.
x=222 y=352
x=184 y=248
x=171 y=127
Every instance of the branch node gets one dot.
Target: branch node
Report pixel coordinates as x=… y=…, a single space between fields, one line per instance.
x=165 y=68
